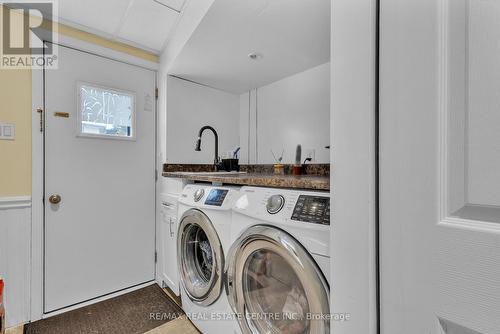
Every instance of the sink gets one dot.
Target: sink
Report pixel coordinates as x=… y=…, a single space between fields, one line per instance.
x=220 y=173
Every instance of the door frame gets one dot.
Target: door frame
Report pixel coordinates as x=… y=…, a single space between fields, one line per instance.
x=36 y=268
x=354 y=177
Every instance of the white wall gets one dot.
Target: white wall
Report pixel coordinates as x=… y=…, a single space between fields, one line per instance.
x=191 y=106
x=291 y=111
x=15 y=227
x=191 y=17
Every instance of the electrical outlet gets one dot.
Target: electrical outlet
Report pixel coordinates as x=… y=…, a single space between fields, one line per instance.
x=7 y=131
x=310 y=153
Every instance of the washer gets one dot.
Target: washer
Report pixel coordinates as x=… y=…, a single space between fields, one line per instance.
x=203 y=239
x=279 y=262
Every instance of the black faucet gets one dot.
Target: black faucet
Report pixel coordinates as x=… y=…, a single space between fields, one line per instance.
x=198 y=145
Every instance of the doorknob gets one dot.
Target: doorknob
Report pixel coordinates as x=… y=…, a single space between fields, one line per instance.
x=55 y=199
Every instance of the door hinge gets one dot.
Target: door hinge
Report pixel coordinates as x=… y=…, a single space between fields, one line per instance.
x=156 y=174
x=156 y=92
x=39 y=110
x=156 y=257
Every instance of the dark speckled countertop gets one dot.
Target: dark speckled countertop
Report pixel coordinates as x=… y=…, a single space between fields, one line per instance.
x=320 y=180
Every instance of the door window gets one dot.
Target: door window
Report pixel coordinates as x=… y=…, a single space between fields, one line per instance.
x=105 y=112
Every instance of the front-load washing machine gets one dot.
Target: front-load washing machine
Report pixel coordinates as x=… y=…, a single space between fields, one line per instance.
x=279 y=262
x=203 y=240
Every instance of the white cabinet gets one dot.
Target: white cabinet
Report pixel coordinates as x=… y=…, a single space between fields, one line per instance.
x=167 y=257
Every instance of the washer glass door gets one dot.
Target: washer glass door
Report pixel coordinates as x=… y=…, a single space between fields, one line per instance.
x=275 y=286
x=271 y=287
x=200 y=258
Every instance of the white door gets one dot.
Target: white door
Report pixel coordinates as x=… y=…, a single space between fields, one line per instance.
x=100 y=161
x=440 y=166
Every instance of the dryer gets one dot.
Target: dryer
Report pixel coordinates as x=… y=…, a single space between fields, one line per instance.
x=279 y=262
x=203 y=240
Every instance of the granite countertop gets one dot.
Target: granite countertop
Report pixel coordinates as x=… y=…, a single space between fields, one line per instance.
x=252 y=178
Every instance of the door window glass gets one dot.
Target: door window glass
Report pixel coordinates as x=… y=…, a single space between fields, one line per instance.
x=274 y=295
x=105 y=112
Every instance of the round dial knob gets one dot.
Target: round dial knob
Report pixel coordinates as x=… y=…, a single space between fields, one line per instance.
x=275 y=203
x=198 y=194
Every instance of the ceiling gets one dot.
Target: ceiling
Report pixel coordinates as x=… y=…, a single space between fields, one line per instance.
x=291 y=36
x=143 y=23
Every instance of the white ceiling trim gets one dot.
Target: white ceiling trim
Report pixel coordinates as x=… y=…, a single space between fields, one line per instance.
x=106 y=52
x=105 y=35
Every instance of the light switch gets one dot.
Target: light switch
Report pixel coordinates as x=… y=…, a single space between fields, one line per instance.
x=7 y=131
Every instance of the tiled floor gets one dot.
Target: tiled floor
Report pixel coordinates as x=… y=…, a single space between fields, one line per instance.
x=15 y=330
x=181 y=326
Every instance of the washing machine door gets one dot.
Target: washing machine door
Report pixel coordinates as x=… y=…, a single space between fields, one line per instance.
x=274 y=285
x=200 y=258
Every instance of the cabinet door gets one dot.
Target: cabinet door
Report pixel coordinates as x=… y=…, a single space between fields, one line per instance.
x=168 y=244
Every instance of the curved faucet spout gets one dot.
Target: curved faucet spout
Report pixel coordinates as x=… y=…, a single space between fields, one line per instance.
x=198 y=144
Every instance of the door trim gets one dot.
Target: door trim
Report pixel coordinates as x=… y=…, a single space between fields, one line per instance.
x=37 y=171
x=354 y=153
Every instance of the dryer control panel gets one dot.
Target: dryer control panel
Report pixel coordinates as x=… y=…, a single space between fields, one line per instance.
x=312 y=209
x=285 y=206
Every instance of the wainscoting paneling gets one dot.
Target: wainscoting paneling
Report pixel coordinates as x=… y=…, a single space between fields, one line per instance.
x=15 y=226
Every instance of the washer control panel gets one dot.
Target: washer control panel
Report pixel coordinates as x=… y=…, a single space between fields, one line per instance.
x=312 y=209
x=216 y=197
x=209 y=197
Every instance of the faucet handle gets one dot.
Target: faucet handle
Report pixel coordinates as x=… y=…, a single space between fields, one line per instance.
x=218 y=165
